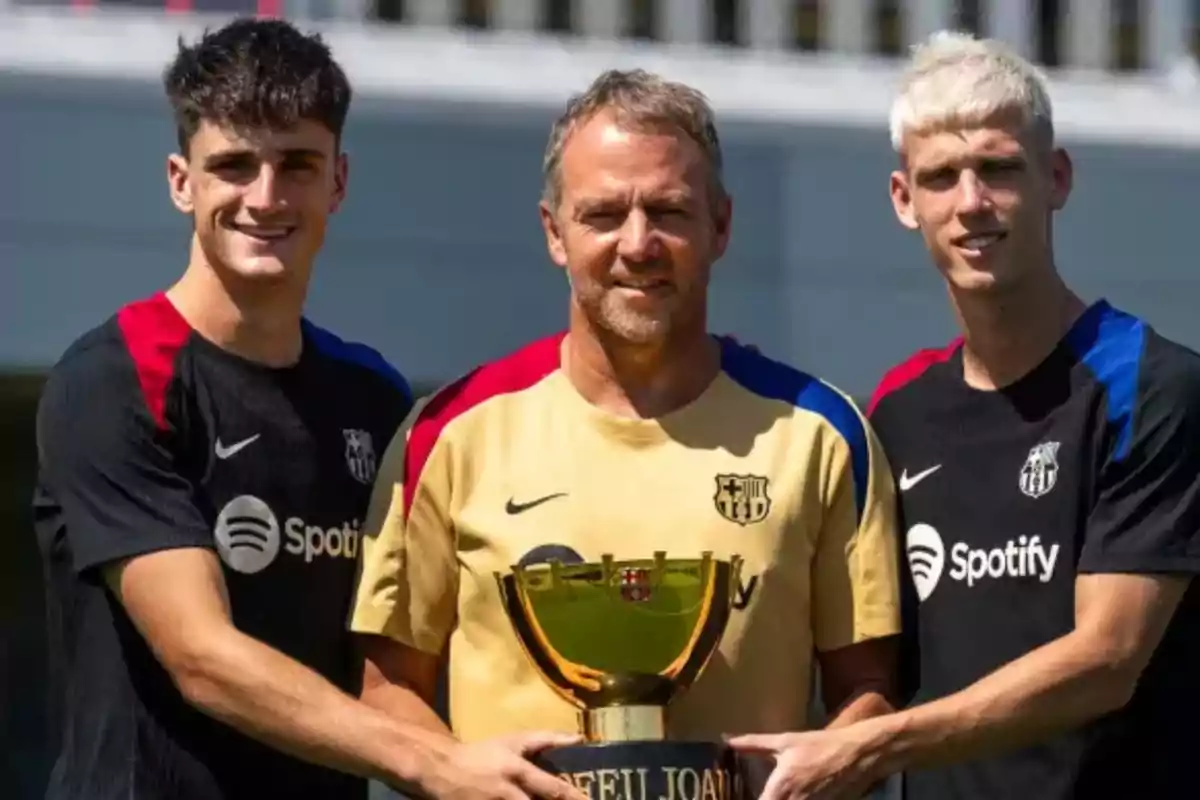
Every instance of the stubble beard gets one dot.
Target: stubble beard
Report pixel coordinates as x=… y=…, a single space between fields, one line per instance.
x=608 y=314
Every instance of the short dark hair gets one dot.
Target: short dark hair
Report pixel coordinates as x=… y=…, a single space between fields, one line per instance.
x=256 y=73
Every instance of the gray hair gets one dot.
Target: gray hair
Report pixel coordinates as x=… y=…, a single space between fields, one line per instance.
x=642 y=101
x=955 y=80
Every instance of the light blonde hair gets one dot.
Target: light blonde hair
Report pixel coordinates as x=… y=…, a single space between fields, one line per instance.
x=640 y=100
x=954 y=80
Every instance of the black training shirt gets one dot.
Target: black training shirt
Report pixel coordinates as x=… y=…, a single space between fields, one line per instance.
x=151 y=437
x=1089 y=464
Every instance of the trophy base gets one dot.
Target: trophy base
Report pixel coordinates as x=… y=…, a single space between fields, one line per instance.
x=650 y=770
x=624 y=723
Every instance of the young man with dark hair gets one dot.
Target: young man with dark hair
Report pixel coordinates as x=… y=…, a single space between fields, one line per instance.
x=206 y=457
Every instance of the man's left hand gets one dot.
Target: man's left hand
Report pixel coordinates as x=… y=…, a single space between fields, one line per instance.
x=813 y=765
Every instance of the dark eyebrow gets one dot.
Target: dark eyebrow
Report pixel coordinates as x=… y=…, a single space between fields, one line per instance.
x=926 y=174
x=304 y=153
x=234 y=156
x=227 y=157
x=1013 y=160
x=981 y=161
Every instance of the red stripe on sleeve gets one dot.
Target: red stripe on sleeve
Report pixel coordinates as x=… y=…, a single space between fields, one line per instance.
x=909 y=370
x=513 y=373
x=154 y=334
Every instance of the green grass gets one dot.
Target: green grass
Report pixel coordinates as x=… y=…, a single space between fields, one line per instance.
x=590 y=623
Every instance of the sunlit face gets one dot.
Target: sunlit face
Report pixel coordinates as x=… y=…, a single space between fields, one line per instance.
x=637 y=228
x=982 y=199
x=260 y=199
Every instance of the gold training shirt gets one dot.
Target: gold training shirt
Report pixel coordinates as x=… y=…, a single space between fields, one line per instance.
x=511 y=465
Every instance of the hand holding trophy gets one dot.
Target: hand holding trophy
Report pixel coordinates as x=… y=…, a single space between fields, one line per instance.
x=620 y=640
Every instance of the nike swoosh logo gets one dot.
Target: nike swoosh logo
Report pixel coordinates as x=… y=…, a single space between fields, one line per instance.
x=513 y=507
x=224 y=452
x=907 y=483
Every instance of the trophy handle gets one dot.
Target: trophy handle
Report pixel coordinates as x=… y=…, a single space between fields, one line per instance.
x=537 y=648
x=718 y=606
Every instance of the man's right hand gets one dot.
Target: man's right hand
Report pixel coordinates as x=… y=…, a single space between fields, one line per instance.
x=499 y=769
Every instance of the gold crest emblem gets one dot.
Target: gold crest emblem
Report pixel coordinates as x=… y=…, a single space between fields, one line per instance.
x=742 y=498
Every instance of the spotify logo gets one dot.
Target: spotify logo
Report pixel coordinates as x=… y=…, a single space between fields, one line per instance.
x=926 y=558
x=1025 y=558
x=247 y=534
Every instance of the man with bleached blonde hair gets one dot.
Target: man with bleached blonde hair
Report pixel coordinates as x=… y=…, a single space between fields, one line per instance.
x=1048 y=466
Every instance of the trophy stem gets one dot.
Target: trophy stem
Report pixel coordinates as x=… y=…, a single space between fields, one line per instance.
x=624 y=723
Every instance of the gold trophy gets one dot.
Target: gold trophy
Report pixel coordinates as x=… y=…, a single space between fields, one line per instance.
x=620 y=640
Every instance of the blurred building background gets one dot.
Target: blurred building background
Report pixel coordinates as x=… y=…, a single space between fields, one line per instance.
x=437 y=258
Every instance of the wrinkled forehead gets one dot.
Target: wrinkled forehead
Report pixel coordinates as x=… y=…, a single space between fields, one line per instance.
x=605 y=158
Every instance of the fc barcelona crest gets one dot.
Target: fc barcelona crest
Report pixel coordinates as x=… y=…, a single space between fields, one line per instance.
x=1040 y=471
x=360 y=455
x=742 y=498
x=635 y=585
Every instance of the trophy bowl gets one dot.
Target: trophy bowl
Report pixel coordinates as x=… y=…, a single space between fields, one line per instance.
x=620 y=640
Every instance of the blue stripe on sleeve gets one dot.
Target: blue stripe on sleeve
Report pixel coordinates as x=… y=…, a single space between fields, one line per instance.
x=359 y=354
x=1110 y=343
x=775 y=381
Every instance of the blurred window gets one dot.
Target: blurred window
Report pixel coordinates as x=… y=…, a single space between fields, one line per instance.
x=724 y=21
x=473 y=13
x=889 y=27
x=556 y=16
x=1126 y=34
x=1047 y=21
x=806 y=24
x=968 y=16
x=1196 y=28
x=389 y=10
x=642 y=19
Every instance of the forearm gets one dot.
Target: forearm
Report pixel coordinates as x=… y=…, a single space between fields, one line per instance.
x=402 y=702
x=863 y=706
x=858 y=680
x=1059 y=686
x=268 y=696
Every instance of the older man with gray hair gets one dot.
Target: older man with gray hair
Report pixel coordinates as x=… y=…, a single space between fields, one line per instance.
x=634 y=431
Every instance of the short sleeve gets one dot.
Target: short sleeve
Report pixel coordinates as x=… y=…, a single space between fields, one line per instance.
x=108 y=466
x=1146 y=511
x=408 y=588
x=855 y=578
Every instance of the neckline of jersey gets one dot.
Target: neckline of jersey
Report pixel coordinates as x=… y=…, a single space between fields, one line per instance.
x=1028 y=386
x=211 y=348
x=202 y=342
x=639 y=430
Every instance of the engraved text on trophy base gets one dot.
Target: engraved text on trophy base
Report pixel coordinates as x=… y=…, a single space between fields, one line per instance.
x=678 y=783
